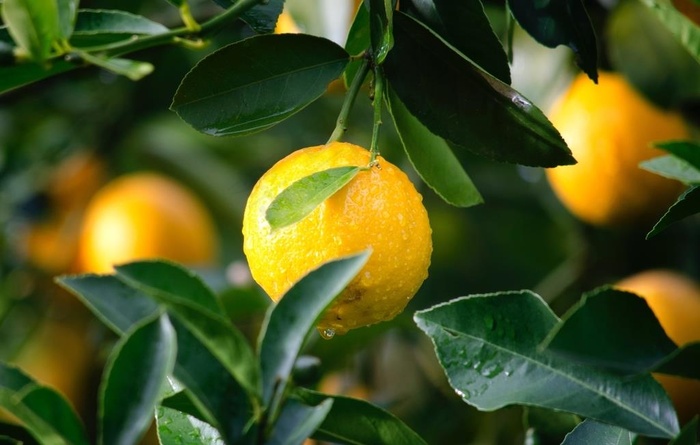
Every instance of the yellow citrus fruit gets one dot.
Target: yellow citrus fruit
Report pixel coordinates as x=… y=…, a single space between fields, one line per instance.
x=609 y=128
x=145 y=215
x=380 y=208
x=286 y=24
x=675 y=300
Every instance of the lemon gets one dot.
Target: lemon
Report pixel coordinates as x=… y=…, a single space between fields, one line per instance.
x=609 y=128
x=141 y=216
x=379 y=209
x=675 y=300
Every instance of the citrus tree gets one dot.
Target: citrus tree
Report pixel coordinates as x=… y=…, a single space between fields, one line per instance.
x=338 y=236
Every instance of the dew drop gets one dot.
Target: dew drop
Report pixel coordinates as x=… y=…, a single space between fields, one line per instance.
x=328 y=333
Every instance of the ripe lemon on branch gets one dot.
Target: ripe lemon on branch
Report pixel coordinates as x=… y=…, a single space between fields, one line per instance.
x=609 y=128
x=379 y=208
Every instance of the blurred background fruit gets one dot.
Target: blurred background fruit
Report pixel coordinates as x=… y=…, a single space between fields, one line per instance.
x=675 y=300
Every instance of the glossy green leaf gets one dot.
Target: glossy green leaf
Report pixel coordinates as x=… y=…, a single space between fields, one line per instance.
x=549 y=424
x=194 y=305
x=611 y=328
x=563 y=22
x=131 y=69
x=466 y=106
x=590 y=431
x=290 y=322
x=42 y=410
x=114 y=303
x=358 y=40
x=217 y=395
x=298 y=421
x=353 y=421
x=176 y=428
x=686 y=205
x=489 y=346
x=304 y=195
x=687 y=32
x=183 y=401
x=263 y=16
x=465 y=26
x=135 y=374
x=67 y=10
x=275 y=77
x=380 y=26
x=688 y=435
x=688 y=151
x=15 y=76
x=33 y=25
x=433 y=158
x=672 y=167
x=100 y=26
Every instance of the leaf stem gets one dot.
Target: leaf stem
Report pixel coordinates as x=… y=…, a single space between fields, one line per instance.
x=350 y=96
x=377 y=101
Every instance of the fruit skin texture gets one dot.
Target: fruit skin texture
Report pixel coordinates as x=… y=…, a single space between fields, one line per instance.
x=675 y=300
x=380 y=208
x=609 y=128
x=145 y=215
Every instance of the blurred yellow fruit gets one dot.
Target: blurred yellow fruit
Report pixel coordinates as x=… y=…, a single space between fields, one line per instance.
x=141 y=216
x=286 y=24
x=380 y=208
x=675 y=300
x=609 y=128
x=340 y=384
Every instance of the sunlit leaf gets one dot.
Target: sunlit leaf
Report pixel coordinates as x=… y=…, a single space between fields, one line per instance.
x=275 y=77
x=174 y=427
x=489 y=346
x=304 y=195
x=687 y=32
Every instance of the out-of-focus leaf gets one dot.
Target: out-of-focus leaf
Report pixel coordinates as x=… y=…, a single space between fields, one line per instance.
x=548 y=425
x=134 y=377
x=290 y=322
x=590 y=431
x=687 y=32
x=353 y=421
x=100 y=26
x=33 y=25
x=131 y=69
x=682 y=362
x=465 y=26
x=42 y=410
x=489 y=348
x=380 y=24
x=563 y=22
x=433 y=158
x=67 y=10
x=176 y=428
x=688 y=435
x=117 y=305
x=358 y=41
x=15 y=76
x=611 y=328
x=275 y=77
x=304 y=195
x=672 y=167
x=298 y=421
x=465 y=105
x=688 y=204
x=9 y=440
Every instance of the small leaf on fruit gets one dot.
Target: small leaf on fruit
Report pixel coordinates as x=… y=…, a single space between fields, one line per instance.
x=304 y=195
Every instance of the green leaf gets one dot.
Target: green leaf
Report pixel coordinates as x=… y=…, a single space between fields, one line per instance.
x=135 y=373
x=262 y=17
x=131 y=69
x=432 y=158
x=304 y=195
x=465 y=26
x=67 y=10
x=298 y=421
x=275 y=77
x=563 y=22
x=15 y=76
x=176 y=428
x=489 y=348
x=114 y=303
x=380 y=24
x=193 y=304
x=100 y=26
x=611 y=328
x=43 y=411
x=672 y=167
x=688 y=151
x=33 y=25
x=466 y=106
x=688 y=204
x=688 y=435
x=10 y=441
x=549 y=424
x=290 y=322
x=182 y=401
x=682 y=362
x=353 y=421
x=358 y=41
x=590 y=431
x=687 y=32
